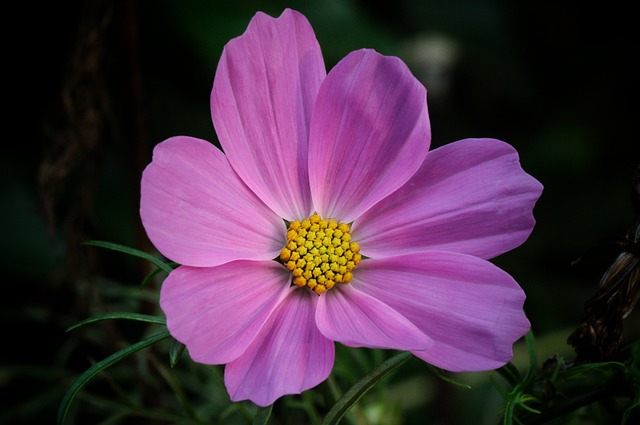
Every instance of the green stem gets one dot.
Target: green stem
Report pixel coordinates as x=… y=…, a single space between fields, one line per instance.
x=334 y=388
x=310 y=408
x=90 y=373
x=510 y=373
x=336 y=392
x=573 y=399
x=569 y=406
x=351 y=397
x=132 y=251
x=533 y=357
x=262 y=415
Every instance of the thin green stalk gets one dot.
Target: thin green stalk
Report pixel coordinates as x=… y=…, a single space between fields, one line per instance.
x=351 y=397
x=158 y=320
x=132 y=251
x=90 y=373
x=262 y=415
x=310 y=408
x=511 y=374
x=533 y=357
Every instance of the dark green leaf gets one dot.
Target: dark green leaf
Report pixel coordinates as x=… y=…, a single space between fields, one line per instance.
x=99 y=367
x=148 y=277
x=510 y=373
x=158 y=320
x=442 y=375
x=132 y=251
x=351 y=397
x=533 y=356
x=262 y=415
x=175 y=351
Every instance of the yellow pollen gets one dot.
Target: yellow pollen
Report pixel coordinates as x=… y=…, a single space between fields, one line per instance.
x=320 y=253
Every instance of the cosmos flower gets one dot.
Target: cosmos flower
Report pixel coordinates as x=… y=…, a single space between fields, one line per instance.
x=327 y=220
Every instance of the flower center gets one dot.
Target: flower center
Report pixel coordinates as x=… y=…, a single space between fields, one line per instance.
x=320 y=253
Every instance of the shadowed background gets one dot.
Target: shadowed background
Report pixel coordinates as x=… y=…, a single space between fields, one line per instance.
x=94 y=85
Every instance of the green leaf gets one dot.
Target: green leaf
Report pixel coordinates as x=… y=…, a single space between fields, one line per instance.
x=533 y=357
x=149 y=276
x=634 y=374
x=442 y=375
x=510 y=373
x=90 y=373
x=597 y=367
x=262 y=415
x=132 y=251
x=351 y=397
x=175 y=351
x=158 y=320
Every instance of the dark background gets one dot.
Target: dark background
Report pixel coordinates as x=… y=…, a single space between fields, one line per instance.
x=94 y=85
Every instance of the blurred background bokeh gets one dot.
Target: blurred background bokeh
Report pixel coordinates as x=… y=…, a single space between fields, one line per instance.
x=94 y=85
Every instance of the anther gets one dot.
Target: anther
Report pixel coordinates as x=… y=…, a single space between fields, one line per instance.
x=320 y=253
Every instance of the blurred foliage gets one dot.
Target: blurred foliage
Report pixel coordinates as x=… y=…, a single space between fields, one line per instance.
x=94 y=85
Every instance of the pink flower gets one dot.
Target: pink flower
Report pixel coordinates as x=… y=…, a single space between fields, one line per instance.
x=325 y=220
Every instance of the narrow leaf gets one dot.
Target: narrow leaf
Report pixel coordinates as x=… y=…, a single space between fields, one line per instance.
x=498 y=387
x=510 y=373
x=90 y=373
x=508 y=413
x=351 y=397
x=158 y=320
x=149 y=276
x=533 y=356
x=262 y=415
x=132 y=251
x=175 y=352
x=442 y=375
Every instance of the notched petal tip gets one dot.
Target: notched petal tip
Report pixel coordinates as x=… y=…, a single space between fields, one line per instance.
x=470 y=196
x=261 y=103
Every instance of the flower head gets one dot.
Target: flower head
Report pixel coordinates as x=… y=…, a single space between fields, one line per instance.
x=327 y=220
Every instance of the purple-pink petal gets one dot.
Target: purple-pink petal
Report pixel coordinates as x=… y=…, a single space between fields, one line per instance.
x=351 y=145
x=471 y=196
x=197 y=212
x=218 y=311
x=471 y=309
x=356 y=319
x=289 y=355
x=369 y=133
x=261 y=104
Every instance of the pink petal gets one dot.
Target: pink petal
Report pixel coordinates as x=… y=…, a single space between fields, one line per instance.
x=356 y=319
x=369 y=133
x=216 y=312
x=471 y=196
x=470 y=308
x=197 y=212
x=263 y=94
x=289 y=355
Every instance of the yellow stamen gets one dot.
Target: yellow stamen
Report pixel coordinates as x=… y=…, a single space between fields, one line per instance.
x=320 y=253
